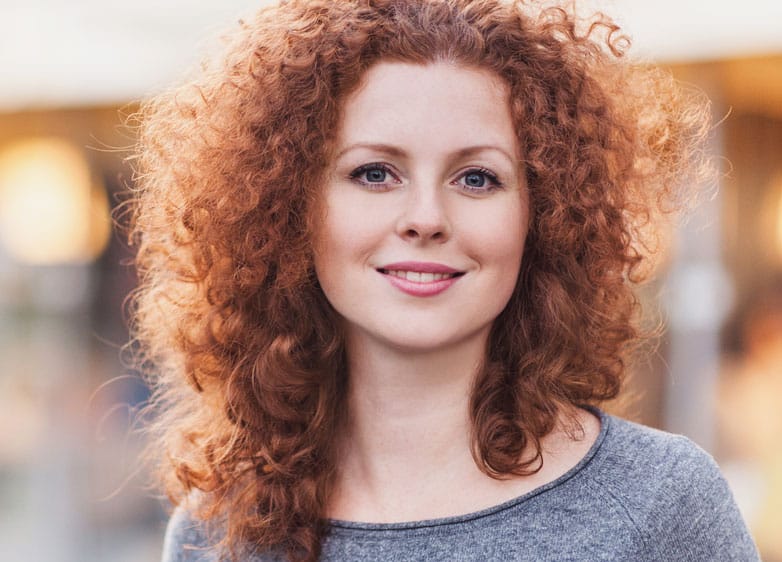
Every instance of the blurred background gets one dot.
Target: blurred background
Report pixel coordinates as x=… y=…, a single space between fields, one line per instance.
x=70 y=72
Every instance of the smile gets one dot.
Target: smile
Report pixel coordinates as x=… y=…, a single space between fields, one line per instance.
x=420 y=279
x=419 y=276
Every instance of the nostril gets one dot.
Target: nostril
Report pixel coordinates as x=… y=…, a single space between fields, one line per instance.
x=414 y=233
x=433 y=230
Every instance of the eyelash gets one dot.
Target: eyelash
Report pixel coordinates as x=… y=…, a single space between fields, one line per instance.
x=494 y=181
x=373 y=186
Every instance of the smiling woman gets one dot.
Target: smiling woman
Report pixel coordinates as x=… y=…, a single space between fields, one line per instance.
x=388 y=251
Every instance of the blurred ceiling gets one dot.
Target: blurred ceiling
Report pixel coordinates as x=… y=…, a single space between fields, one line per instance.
x=56 y=53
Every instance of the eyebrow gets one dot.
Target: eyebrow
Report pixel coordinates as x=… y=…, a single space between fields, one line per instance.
x=377 y=147
x=397 y=152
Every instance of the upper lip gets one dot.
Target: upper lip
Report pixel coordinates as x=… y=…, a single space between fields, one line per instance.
x=419 y=266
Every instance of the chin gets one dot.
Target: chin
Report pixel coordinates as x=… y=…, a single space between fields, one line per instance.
x=428 y=343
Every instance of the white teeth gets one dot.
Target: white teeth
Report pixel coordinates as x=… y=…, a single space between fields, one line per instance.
x=419 y=277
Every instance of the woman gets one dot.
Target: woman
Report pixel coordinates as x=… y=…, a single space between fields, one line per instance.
x=387 y=252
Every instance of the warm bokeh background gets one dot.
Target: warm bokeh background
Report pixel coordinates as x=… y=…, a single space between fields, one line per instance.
x=71 y=488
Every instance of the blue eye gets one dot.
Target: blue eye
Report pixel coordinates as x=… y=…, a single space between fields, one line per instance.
x=479 y=181
x=373 y=175
x=475 y=179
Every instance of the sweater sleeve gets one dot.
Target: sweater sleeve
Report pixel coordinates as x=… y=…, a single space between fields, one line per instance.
x=696 y=517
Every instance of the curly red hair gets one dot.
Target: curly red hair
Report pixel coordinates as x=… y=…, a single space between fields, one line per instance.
x=249 y=361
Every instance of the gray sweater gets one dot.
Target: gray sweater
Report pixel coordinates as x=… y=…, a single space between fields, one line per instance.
x=638 y=495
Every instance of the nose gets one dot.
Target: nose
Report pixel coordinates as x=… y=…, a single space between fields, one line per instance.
x=424 y=217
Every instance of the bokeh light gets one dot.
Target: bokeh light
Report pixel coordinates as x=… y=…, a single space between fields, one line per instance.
x=51 y=209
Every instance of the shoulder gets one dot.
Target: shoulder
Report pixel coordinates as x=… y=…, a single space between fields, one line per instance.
x=649 y=470
x=659 y=456
x=191 y=539
x=674 y=493
x=187 y=539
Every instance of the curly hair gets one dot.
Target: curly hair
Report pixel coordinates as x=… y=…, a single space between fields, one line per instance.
x=249 y=365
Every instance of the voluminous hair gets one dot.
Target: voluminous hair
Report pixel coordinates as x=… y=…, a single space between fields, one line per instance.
x=244 y=351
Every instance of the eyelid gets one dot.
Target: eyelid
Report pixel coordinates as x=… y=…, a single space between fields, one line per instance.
x=493 y=179
x=354 y=175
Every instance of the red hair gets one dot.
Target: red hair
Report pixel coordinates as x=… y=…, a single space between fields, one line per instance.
x=249 y=363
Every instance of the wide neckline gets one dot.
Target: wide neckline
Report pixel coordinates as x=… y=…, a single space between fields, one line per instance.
x=605 y=422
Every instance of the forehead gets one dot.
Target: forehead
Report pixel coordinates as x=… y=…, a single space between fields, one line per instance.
x=447 y=103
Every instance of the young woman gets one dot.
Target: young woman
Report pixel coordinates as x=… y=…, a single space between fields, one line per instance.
x=387 y=251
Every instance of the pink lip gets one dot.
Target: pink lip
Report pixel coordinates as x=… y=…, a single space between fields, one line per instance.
x=415 y=288
x=420 y=266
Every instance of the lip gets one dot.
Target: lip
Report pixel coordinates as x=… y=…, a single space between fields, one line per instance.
x=418 y=288
x=420 y=266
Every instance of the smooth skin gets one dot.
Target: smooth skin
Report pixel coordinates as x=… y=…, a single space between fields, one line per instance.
x=427 y=168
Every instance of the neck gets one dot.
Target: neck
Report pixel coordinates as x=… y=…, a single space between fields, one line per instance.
x=405 y=449
x=408 y=385
x=408 y=421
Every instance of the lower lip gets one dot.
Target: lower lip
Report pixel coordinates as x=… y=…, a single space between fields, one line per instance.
x=421 y=289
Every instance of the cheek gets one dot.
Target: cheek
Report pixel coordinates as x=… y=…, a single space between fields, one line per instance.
x=342 y=241
x=355 y=219
x=500 y=252
x=507 y=256
x=330 y=252
x=344 y=230
x=500 y=235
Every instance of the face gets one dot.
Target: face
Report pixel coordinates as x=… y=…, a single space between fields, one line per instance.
x=425 y=207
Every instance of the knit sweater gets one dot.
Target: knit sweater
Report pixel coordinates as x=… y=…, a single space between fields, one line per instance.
x=638 y=495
